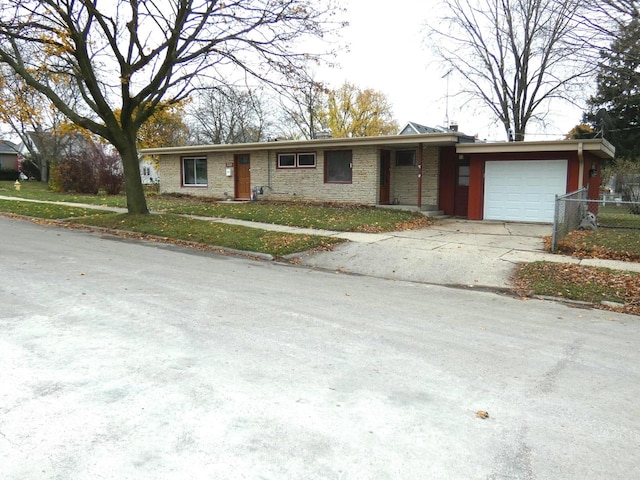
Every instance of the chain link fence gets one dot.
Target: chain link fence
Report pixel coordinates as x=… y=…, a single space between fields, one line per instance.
x=570 y=210
x=574 y=211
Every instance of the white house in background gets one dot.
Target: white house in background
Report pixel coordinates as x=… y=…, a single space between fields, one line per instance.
x=148 y=172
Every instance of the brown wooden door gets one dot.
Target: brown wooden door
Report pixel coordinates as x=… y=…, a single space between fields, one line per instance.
x=242 y=170
x=461 y=198
x=385 y=177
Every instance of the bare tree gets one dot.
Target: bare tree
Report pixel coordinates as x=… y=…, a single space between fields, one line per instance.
x=607 y=17
x=302 y=107
x=514 y=56
x=229 y=115
x=133 y=56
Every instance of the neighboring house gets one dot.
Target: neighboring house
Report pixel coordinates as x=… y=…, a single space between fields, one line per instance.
x=413 y=128
x=8 y=155
x=440 y=171
x=47 y=147
x=148 y=172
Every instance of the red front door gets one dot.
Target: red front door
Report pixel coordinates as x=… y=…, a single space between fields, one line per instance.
x=242 y=168
x=385 y=177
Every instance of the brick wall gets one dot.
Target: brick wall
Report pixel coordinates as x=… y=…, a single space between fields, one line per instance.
x=404 y=180
x=279 y=183
x=308 y=183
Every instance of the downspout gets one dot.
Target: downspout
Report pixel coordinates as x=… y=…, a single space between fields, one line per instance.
x=269 y=169
x=580 y=166
x=419 y=176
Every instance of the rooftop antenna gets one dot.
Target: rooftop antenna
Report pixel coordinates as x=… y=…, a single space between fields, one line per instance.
x=601 y=120
x=446 y=114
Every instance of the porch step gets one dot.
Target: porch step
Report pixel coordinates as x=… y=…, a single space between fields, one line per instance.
x=435 y=214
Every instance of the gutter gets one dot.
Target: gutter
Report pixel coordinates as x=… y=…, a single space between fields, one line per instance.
x=420 y=162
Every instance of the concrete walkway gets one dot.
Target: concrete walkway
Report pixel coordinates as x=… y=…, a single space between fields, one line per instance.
x=451 y=252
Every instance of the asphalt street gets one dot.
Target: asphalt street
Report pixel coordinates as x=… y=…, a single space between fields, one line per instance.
x=122 y=359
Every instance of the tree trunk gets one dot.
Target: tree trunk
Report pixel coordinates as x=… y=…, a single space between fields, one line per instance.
x=136 y=201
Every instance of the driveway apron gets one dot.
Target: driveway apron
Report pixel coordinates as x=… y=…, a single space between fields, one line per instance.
x=451 y=252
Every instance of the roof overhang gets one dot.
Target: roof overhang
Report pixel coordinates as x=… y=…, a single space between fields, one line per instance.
x=386 y=141
x=597 y=146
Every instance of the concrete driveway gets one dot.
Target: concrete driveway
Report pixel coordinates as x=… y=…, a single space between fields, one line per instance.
x=451 y=252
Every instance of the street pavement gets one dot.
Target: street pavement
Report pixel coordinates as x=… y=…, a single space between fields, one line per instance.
x=122 y=359
x=452 y=252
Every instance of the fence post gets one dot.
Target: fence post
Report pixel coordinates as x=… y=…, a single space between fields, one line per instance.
x=554 y=234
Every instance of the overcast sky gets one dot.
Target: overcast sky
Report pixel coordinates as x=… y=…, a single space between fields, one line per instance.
x=388 y=52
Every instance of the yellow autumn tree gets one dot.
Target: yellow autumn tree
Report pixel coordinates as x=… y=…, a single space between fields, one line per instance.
x=353 y=112
x=165 y=128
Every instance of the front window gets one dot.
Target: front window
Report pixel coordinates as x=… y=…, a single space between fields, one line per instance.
x=296 y=160
x=338 y=166
x=194 y=171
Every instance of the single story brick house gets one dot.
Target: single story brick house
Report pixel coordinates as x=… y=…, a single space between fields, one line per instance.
x=442 y=171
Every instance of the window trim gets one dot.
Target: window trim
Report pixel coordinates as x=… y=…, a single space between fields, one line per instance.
x=296 y=161
x=326 y=167
x=182 y=173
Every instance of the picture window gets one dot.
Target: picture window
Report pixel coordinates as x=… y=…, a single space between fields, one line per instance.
x=338 y=166
x=194 y=172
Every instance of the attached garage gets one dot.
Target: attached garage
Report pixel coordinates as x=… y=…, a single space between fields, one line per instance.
x=523 y=190
x=518 y=181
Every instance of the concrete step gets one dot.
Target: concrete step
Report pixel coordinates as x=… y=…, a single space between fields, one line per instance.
x=435 y=214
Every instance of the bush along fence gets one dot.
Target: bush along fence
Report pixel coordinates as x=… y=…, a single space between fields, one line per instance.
x=574 y=211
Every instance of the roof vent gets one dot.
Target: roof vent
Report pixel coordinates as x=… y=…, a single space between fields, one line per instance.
x=322 y=134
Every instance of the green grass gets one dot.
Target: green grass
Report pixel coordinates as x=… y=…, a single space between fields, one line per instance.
x=40 y=191
x=613 y=216
x=46 y=210
x=220 y=235
x=172 y=226
x=339 y=217
x=575 y=282
x=344 y=218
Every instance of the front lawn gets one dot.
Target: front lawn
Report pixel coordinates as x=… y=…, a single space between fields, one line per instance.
x=590 y=284
x=40 y=191
x=575 y=282
x=324 y=216
x=176 y=228
x=46 y=210
x=607 y=243
x=338 y=217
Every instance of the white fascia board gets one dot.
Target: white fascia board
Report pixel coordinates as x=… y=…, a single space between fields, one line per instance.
x=598 y=146
x=320 y=144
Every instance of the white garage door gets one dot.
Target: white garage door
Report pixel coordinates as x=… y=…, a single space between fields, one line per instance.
x=523 y=190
